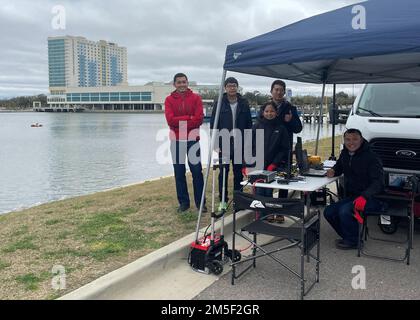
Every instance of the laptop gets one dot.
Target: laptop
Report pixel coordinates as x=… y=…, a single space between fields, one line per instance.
x=303 y=163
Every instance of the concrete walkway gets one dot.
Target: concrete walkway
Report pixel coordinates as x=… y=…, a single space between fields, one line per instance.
x=384 y=279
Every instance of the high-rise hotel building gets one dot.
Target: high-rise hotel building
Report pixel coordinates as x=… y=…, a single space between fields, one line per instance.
x=89 y=75
x=78 y=62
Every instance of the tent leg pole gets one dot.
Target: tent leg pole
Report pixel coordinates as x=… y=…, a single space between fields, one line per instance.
x=334 y=113
x=320 y=118
x=213 y=134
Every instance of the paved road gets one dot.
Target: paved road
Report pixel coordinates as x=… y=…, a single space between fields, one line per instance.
x=384 y=279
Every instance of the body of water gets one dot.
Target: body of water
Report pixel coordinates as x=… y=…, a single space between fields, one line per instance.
x=81 y=153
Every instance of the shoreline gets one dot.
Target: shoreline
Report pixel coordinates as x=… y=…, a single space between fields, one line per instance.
x=16 y=111
x=34 y=205
x=86 y=194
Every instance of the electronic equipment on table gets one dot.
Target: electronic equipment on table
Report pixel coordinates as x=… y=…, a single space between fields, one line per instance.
x=303 y=163
x=262 y=176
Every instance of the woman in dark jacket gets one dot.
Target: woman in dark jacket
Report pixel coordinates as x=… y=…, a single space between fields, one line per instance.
x=276 y=142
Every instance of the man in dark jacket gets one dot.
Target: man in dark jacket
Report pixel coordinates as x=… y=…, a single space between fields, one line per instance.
x=363 y=178
x=234 y=114
x=287 y=113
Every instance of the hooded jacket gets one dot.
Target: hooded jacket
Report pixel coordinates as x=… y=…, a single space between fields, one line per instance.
x=363 y=172
x=184 y=115
x=276 y=142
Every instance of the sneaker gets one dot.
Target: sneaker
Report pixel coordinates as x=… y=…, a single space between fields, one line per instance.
x=222 y=206
x=183 y=208
x=343 y=245
x=276 y=219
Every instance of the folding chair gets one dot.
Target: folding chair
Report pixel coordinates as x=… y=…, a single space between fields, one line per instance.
x=303 y=234
x=398 y=204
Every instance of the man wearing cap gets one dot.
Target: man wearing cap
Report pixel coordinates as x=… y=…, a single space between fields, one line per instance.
x=234 y=114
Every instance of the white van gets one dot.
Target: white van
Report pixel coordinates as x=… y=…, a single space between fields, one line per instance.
x=388 y=115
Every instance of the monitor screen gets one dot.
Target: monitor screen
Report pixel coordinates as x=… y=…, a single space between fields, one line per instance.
x=301 y=156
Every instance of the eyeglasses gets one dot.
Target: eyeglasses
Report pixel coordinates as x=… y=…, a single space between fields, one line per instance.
x=231 y=86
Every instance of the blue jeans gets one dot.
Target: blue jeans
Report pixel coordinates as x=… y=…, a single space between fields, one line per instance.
x=237 y=179
x=179 y=150
x=340 y=217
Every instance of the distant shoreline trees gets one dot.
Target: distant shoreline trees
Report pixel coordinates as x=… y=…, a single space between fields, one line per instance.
x=342 y=98
x=254 y=98
x=23 y=102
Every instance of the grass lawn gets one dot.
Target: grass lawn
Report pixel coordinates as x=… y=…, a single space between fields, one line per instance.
x=93 y=235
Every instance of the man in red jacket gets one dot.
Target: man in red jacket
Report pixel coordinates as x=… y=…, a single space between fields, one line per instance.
x=184 y=114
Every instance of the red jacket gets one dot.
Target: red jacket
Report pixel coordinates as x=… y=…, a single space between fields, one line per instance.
x=186 y=108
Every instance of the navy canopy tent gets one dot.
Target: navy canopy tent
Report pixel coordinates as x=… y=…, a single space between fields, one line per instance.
x=328 y=49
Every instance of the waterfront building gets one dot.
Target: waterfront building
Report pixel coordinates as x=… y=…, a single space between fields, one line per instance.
x=85 y=75
x=150 y=97
x=78 y=62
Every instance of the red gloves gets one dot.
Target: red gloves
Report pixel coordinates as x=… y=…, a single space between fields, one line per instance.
x=271 y=167
x=359 y=203
x=244 y=171
x=358 y=216
x=359 y=207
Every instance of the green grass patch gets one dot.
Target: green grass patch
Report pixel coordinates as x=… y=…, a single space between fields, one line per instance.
x=4 y=265
x=78 y=206
x=149 y=223
x=53 y=222
x=107 y=234
x=118 y=192
x=63 y=235
x=63 y=253
x=21 y=231
x=120 y=241
x=24 y=244
x=53 y=296
x=127 y=211
x=30 y=281
x=188 y=216
x=99 y=224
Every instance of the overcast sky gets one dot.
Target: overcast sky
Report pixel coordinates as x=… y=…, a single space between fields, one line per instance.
x=162 y=37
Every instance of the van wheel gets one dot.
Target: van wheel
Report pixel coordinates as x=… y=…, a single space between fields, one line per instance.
x=389 y=228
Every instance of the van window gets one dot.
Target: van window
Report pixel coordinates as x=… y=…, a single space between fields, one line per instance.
x=390 y=100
